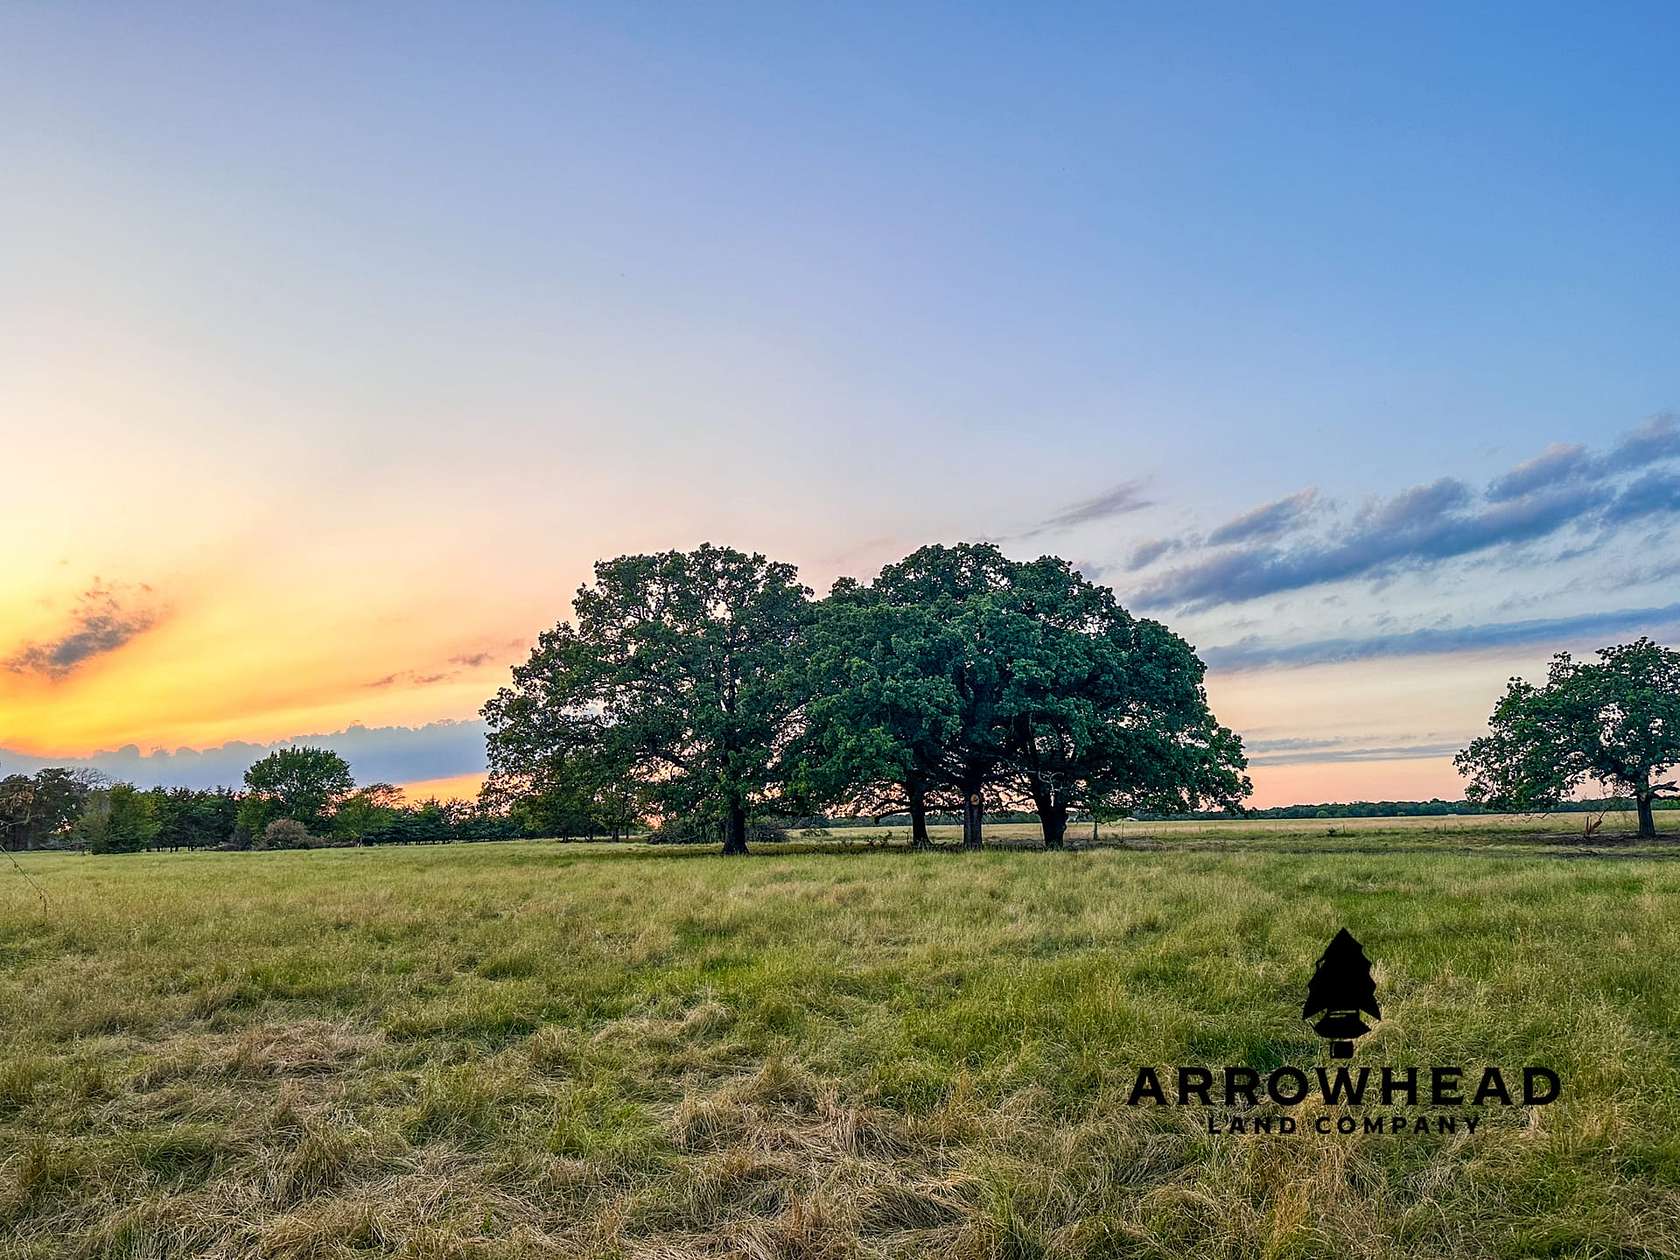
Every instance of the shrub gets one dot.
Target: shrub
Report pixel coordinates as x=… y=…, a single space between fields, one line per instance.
x=684 y=831
x=285 y=833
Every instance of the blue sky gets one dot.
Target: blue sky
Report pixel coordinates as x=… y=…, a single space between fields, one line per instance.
x=344 y=338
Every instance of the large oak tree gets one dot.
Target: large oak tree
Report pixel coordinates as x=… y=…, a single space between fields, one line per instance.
x=952 y=600
x=1105 y=709
x=673 y=682
x=883 y=717
x=961 y=676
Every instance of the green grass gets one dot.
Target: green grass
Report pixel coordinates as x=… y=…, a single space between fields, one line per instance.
x=545 y=1050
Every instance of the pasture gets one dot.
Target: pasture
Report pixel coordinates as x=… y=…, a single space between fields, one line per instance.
x=535 y=1049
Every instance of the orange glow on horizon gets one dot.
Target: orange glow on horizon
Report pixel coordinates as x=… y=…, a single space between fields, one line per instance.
x=1316 y=783
x=455 y=787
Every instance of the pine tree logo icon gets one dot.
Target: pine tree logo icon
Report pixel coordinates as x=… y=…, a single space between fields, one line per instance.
x=1341 y=987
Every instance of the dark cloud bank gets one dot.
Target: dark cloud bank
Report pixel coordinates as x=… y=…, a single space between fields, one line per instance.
x=377 y=754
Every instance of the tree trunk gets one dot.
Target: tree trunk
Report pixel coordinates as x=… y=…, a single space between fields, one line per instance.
x=1052 y=815
x=972 y=815
x=1647 y=821
x=1053 y=818
x=735 y=831
x=918 y=816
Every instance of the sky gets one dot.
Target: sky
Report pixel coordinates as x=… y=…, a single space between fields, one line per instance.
x=337 y=342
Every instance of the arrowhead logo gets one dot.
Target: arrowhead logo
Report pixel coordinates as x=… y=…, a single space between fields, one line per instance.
x=1341 y=987
x=1341 y=995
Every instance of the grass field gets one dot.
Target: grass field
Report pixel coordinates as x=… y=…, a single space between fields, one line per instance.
x=530 y=1049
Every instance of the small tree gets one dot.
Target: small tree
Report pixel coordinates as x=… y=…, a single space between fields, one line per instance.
x=117 y=819
x=368 y=815
x=1615 y=721
x=304 y=784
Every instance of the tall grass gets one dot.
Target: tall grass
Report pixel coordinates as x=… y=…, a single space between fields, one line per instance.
x=535 y=1050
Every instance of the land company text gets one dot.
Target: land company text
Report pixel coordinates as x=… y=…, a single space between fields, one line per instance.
x=1387 y=1088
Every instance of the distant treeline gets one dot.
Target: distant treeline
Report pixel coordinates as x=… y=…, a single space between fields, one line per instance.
x=1435 y=807
x=305 y=800
x=1432 y=808
x=295 y=798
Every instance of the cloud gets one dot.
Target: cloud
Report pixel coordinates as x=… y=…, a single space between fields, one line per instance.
x=1418 y=506
x=1294 y=752
x=1122 y=499
x=1555 y=466
x=377 y=754
x=1562 y=488
x=1551 y=632
x=1419 y=526
x=412 y=678
x=1269 y=520
x=106 y=617
x=415 y=678
x=1653 y=494
x=1655 y=441
x=1148 y=552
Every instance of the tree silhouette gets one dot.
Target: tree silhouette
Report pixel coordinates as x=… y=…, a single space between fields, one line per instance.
x=1341 y=987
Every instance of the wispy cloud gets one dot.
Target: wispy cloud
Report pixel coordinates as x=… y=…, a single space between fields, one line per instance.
x=1655 y=493
x=1564 y=488
x=457 y=665
x=1269 y=520
x=1254 y=653
x=1415 y=528
x=1557 y=465
x=1655 y=441
x=1123 y=499
x=1300 y=751
x=411 y=678
x=1148 y=552
x=106 y=616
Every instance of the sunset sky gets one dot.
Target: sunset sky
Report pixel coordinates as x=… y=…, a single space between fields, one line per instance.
x=336 y=342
